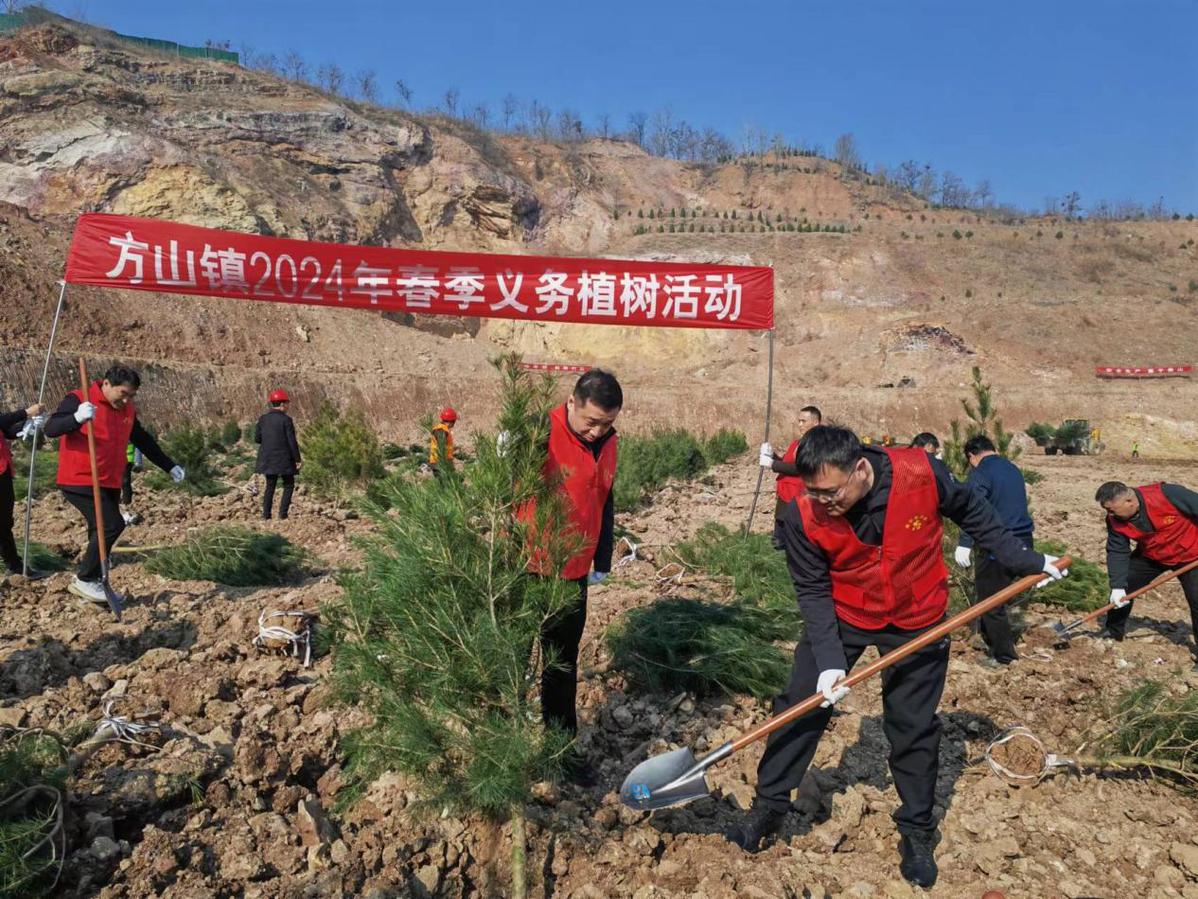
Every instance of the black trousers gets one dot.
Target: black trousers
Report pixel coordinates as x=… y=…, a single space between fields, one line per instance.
x=127 y=485
x=1141 y=572
x=560 y=638
x=910 y=695
x=114 y=524
x=995 y=626
x=8 y=546
x=268 y=495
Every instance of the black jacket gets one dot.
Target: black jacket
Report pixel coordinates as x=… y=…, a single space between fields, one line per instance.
x=12 y=422
x=278 y=453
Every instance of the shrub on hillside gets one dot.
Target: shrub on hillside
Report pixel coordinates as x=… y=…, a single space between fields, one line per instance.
x=758 y=571
x=647 y=463
x=191 y=448
x=341 y=452
x=231 y=433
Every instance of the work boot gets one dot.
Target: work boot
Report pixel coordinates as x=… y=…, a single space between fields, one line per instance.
x=92 y=591
x=759 y=822
x=918 y=866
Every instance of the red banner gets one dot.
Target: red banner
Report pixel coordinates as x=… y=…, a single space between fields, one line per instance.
x=1144 y=371
x=167 y=257
x=555 y=367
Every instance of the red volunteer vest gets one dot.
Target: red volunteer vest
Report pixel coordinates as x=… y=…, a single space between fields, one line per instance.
x=5 y=455
x=902 y=582
x=585 y=483
x=790 y=487
x=112 y=428
x=1175 y=540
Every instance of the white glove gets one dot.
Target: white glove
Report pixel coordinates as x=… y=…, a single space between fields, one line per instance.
x=85 y=412
x=1054 y=573
x=827 y=685
x=1117 y=599
x=178 y=474
x=501 y=443
x=961 y=557
x=596 y=577
x=31 y=427
x=766 y=459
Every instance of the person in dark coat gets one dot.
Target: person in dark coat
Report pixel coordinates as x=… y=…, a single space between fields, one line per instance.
x=278 y=453
x=12 y=425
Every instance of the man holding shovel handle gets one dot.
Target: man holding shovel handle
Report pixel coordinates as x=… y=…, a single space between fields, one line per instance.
x=863 y=546
x=1163 y=520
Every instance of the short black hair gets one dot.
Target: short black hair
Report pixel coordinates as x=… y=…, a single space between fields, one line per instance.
x=927 y=438
x=601 y=388
x=977 y=444
x=1111 y=490
x=827 y=445
x=119 y=375
x=278 y=404
x=814 y=410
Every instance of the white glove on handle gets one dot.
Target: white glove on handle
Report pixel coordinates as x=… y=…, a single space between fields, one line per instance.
x=1054 y=573
x=178 y=474
x=1117 y=599
x=766 y=458
x=827 y=685
x=962 y=557
x=85 y=412
x=596 y=577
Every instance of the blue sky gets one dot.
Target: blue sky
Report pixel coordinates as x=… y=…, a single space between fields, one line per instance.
x=1041 y=98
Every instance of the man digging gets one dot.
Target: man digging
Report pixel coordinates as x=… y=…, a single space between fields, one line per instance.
x=108 y=411
x=863 y=546
x=1163 y=520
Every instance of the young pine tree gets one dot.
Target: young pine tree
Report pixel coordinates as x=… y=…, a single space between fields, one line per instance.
x=982 y=418
x=435 y=637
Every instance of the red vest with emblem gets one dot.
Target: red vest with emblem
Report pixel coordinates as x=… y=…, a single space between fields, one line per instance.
x=790 y=486
x=902 y=582
x=1175 y=540
x=112 y=428
x=5 y=455
x=585 y=483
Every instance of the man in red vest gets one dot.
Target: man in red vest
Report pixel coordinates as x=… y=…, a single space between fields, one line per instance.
x=1163 y=520
x=582 y=459
x=863 y=547
x=790 y=485
x=108 y=411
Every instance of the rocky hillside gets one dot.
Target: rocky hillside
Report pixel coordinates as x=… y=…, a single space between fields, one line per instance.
x=90 y=124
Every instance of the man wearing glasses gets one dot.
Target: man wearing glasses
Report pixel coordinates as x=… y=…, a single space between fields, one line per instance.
x=863 y=545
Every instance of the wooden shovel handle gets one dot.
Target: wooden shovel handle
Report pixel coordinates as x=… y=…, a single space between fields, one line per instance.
x=1162 y=578
x=811 y=703
x=101 y=542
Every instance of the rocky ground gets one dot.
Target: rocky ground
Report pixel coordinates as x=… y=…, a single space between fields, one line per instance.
x=239 y=795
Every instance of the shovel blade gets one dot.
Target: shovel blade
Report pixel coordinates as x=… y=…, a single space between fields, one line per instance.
x=114 y=598
x=672 y=778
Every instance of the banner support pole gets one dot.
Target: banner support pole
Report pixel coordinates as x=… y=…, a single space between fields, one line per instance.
x=41 y=393
x=769 y=407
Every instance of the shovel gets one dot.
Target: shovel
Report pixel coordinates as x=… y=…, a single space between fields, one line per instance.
x=1064 y=631
x=114 y=599
x=677 y=777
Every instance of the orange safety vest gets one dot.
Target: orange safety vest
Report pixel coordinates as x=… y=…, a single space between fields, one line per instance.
x=434 y=455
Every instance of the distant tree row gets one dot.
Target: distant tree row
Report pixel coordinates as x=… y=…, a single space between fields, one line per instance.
x=664 y=134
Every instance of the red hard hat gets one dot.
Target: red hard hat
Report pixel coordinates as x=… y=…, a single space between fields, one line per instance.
x=448 y=415
x=279 y=396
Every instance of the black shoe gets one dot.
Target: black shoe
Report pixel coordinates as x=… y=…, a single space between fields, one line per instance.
x=759 y=822
x=1117 y=636
x=918 y=866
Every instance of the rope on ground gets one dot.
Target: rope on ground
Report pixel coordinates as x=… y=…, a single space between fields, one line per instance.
x=1024 y=750
x=296 y=639
x=122 y=728
x=626 y=552
x=669 y=576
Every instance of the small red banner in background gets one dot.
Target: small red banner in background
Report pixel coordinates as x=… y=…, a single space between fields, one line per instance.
x=1146 y=371
x=167 y=257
